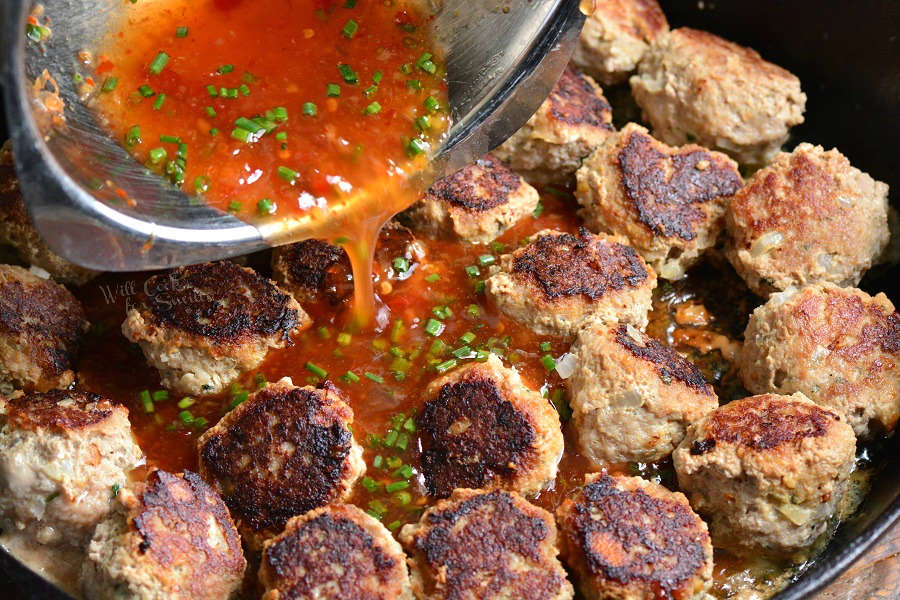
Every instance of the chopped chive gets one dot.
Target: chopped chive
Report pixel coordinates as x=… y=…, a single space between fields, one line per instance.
x=479 y=287
x=235 y=206
x=211 y=112
x=377 y=507
x=230 y=93
x=133 y=138
x=373 y=109
x=279 y=114
x=147 y=401
x=170 y=139
x=214 y=131
x=225 y=69
x=370 y=484
x=437 y=348
x=462 y=352
x=186 y=402
x=36 y=33
x=544 y=346
x=348 y=74
x=396 y=486
x=333 y=90
x=538 y=210
x=406 y=68
x=404 y=472
x=401 y=264
x=445 y=366
x=473 y=271
x=370 y=91
x=377 y=76
x=416 y=146
x=414 y=84
x=442 y=312
x=201 y=184
x=244 y=89
x=251 y=126
x=434 y=327
x=324 y=333
x=241 y=134
x=344 y=339
x=350 y=29
x=181 y=32
x=212 y=91
x=260 y=380
x=549 y=362
x=314 y=368
x=486 y=260
x=426 y=64
x=402 y=442
x=266 y=206
x=310 y=109
x=157 y=155
x=159 y=63
x=395 y=525
x=432 y=278
x=281 y=136
x=390 y=439
x=157 y=104
x=109 y=84
x=431 y=104
x=186 y=417
x=374 y=377
x=287 y=174
x=199 y=423
x=350 y=3
x=350 y=377
x=473 y=311
x=410 y=425
x=377 y=461
x=423 y=123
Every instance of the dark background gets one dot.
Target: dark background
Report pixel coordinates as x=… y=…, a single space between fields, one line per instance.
x=847 y=56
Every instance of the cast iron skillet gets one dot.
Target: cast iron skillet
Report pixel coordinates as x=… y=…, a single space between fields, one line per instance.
x=847 y=55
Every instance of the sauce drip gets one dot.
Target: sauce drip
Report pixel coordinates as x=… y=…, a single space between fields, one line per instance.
x=309 y=118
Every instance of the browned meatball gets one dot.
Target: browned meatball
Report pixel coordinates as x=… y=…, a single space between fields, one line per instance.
x=485 y=546
x=481 y=427
x=335 y=552
x=574 y=120
x=669 y=203
x=41 y=326
x=171 y=538
x=284 y=451
x=615 y=37
x=810 y=216
x=476 y=204
x=560 y=281
x=314 y=270
x=632 y=539
x=204 y=325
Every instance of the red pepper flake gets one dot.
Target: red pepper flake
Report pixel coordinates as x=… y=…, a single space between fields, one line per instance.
x=105 y=67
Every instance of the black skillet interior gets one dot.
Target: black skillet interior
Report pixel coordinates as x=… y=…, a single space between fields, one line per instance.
x=847 y=55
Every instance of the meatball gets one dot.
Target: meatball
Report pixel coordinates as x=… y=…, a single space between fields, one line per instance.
x=204 y=325
x=41 y=327
x=314 y=270
x=485 y=546
x=170 y=538
x=695 y=87
x=767 y=471
x=616 y=36
x=838 y=346
x=17 y=231
x=571 y=122
x=61 y=455
x=668 y=202
x=334 y=553
x=476 y=204
x=629 y=538
x=285 y=451
x=808 y=217
x=632 y=398
x=481 y=427
x=559 y=281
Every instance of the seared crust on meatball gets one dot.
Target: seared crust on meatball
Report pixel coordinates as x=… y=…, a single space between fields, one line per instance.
x=61 y=452
x=767 y=472
x=314 y=270
x=41 y=326
x=632 y=539
x=476 y=204
x=334 y=552
x=615 y=37
x=284 y=451
x=171 y=537
x=572 y=121
x=559 y=281
x=809 y=217
x=696 y=87
x=839 y=346
x=668 y=202
x=485 y=546
x=203 y=325
x=481 y=427
x=632 y=398
x=17 y=231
